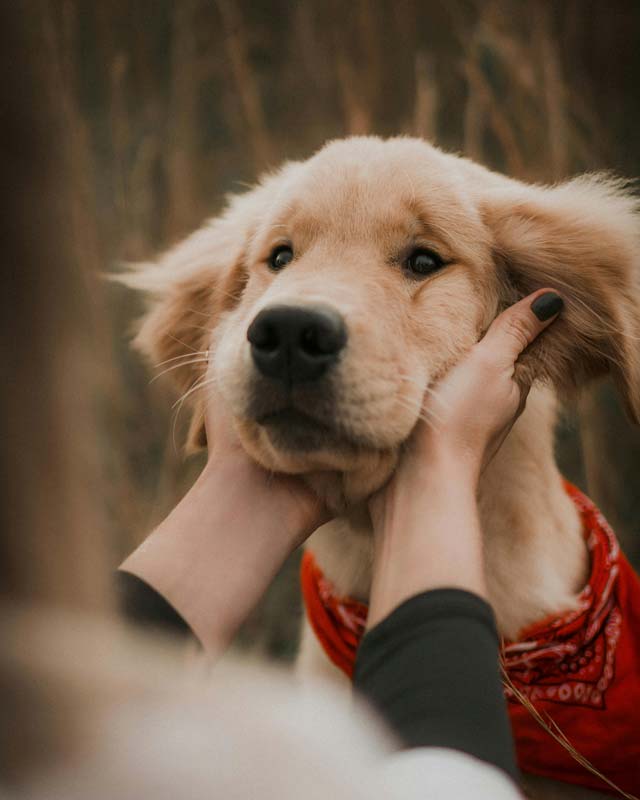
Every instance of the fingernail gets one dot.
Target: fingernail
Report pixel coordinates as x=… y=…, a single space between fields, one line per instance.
x=547 y=305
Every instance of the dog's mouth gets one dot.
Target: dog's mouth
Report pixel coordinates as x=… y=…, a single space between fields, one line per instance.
x=300 y=419
x=290 y=429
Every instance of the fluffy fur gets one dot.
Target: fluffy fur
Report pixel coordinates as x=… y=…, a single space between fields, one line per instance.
x=352 y=213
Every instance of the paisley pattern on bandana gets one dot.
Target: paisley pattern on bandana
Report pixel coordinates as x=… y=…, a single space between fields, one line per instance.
x=580 y=669
x=571 y=659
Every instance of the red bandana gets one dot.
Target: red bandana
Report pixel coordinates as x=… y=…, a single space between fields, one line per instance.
x=581 y=670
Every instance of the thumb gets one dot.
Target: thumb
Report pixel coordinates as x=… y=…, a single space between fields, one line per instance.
x=518 y=326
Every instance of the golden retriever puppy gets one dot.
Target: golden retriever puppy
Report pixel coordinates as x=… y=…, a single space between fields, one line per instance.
x=338 y=290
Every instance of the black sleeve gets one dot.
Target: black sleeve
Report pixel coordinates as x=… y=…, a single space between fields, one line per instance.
x=431 y=670
x=141 y=604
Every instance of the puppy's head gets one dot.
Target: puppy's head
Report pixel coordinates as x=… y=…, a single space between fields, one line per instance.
x=332 y=295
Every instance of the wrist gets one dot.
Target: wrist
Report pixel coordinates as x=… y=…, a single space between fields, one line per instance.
x=219 y=549
x=424 y=483
x=281 y=505
x=427 y=533
x=448 y=461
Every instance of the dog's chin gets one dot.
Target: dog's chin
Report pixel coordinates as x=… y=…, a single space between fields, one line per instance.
x=341 y=470
x=293 y=432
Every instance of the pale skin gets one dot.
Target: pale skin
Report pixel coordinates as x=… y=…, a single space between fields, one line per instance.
x=217 y=552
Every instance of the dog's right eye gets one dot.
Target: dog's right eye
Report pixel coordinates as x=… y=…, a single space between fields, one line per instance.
x=423 y=262
x=280 y=257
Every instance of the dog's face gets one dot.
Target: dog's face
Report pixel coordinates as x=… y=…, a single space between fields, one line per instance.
x=354 y=274
x=336 y=292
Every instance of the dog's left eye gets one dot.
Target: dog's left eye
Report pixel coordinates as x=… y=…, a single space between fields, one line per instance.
x=280 y=257
x=423 y=262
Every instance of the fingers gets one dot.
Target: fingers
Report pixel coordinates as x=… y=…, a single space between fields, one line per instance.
x=513 y=330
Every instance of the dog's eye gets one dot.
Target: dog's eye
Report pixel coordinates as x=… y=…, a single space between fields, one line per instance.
x=423 y=262
x=280 y=257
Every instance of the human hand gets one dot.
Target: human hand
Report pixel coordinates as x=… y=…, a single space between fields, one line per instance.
x=216 y=553
x=469 y=413
x=425 y=520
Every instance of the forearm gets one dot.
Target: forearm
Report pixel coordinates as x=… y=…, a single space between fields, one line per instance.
x=434 y=512
x=430 y=669
x=429 y=662
x=214 y=556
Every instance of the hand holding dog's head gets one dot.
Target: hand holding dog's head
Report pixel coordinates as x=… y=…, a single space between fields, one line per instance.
x=333 y=294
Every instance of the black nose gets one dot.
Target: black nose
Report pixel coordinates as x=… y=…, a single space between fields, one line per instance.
x=294 y=344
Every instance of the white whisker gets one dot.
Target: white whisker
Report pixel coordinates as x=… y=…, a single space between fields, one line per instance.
x=428 y=416
x=199 y=383
x=200 y=328
x=184 y=344
x=177 y=366
x=184 y=355
x=200 y=313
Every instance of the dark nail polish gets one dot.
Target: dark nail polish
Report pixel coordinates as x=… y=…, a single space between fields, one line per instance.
x=547 y=305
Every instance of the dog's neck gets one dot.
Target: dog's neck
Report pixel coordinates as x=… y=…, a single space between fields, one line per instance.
x=536 y=558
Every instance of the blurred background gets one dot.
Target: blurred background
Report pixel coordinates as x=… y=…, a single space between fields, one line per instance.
x=158 y=108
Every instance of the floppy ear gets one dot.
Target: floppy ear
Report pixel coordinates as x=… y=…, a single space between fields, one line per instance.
x=581 y=238
x=193 y=285
x=188 y=289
